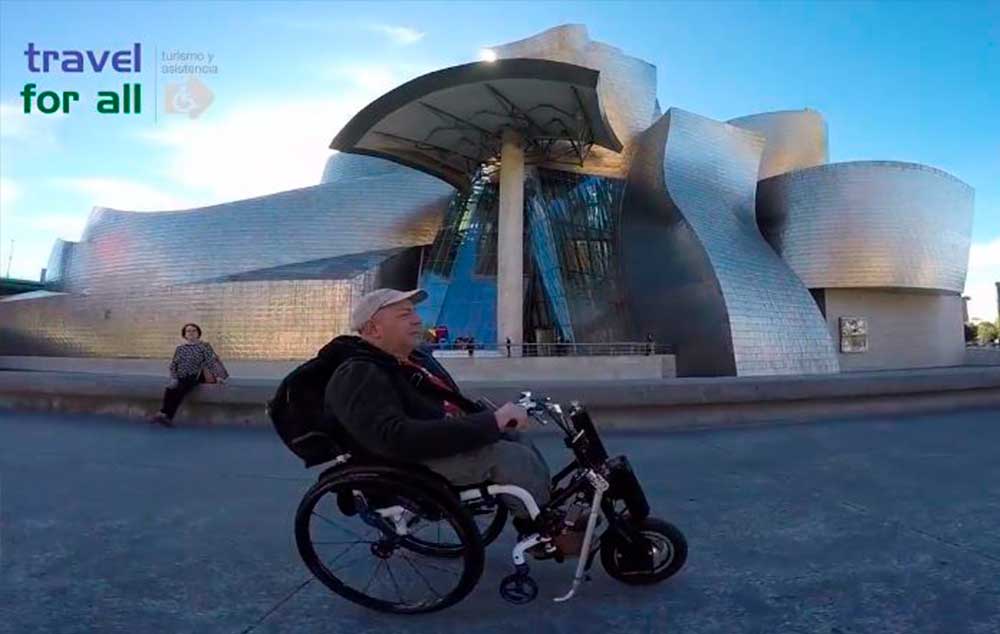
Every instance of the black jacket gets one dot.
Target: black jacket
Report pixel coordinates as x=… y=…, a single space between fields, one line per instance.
x=394 y=411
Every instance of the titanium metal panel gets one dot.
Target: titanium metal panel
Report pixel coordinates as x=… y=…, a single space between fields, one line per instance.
x=272 y=277
x=870 y=224
x=243 y=320
x=794 y=139
x=60 y=261
x=346 y=167
x=122 y=249
x=698 y=273
x=268 y=318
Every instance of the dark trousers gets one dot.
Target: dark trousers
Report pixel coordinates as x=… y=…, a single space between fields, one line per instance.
x=172 y=396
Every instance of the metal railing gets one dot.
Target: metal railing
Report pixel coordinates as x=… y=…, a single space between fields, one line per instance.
x=615 y=348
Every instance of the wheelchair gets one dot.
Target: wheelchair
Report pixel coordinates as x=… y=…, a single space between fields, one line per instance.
x=399 y=538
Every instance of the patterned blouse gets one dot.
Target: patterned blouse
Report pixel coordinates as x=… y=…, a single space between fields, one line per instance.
x=191 y=358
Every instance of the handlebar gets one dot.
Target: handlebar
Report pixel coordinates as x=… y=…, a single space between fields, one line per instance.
x=581 y=435
x=544 y=410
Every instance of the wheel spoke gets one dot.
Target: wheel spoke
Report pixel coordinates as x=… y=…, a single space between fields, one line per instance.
x=419 y=536
x=347 y=564
x=345 y=556
x=392 y=577
x=374 y=573
x=335 y=559
x=336 y=525
x=421 y=575
x=448 y=570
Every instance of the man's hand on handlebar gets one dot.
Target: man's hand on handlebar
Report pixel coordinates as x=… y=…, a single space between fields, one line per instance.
x=510 y=417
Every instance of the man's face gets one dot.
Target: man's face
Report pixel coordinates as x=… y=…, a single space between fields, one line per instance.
x=398 y=326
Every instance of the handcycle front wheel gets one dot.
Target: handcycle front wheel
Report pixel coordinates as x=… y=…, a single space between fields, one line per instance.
x=362 y=556
x=667 y=554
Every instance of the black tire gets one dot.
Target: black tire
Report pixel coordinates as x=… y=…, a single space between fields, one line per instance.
x=378 y=485
x=663 y=535
x=490 y=521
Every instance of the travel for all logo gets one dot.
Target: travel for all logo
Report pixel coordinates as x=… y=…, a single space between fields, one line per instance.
x=126 y=101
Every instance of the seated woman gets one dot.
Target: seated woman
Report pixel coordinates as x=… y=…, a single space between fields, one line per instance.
x=194 y=362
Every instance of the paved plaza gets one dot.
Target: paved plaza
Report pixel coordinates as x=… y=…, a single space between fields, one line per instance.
x=852 y=527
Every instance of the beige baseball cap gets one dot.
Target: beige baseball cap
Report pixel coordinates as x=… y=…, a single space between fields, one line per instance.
x=371 y=303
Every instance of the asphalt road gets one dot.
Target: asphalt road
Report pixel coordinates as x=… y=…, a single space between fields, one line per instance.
x=834 y=528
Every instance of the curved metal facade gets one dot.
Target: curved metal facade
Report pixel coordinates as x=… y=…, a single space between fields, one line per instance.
x=60 y=262
x=794 y=140
x=242 y=320
x=272 y=277
x=626 y=88
x=122 y=249
x=706 y=235
x=345 y=167
x=870 y=224
x=698 y=274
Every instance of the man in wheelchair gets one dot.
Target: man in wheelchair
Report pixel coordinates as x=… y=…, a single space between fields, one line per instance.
x=399 y=403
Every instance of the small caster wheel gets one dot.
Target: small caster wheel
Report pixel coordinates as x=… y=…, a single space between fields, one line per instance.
x=518 y=589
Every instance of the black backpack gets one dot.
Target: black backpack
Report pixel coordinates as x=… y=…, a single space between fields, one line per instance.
x=297 y=412
x=297 y=407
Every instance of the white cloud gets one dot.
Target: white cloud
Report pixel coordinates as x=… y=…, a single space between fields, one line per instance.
x=123 y=194
x=37 y=128
x=93 y=192
x=402 y=35
x=266 y=146
x=980 y=283
x=9 y=192
x=370 y=81
x=375 y=78
x=65 y=226
x=259 y=148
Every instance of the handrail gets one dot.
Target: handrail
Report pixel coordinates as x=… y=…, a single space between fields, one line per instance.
x=612 y=348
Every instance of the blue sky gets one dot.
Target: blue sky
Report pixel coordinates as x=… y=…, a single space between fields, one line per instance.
x=898 y=81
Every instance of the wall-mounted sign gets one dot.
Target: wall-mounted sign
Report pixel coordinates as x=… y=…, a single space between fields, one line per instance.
x=853 y=334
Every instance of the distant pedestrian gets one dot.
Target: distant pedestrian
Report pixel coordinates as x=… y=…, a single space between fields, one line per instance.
x=194 y=362
x=508 y=346
x=650 y=345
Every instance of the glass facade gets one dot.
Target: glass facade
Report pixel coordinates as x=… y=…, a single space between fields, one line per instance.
x=572 y=290
x=459 y=273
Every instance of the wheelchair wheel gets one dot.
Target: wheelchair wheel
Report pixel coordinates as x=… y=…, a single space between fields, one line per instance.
x=666 y=555
x=351 y=531
x=427 y=538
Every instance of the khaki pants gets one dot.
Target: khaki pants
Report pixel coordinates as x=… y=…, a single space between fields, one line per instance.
x=513 y=460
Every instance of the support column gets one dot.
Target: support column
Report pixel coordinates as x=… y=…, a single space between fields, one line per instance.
x=510 y=244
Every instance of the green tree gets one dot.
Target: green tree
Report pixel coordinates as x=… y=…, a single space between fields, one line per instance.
x=986 y=332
